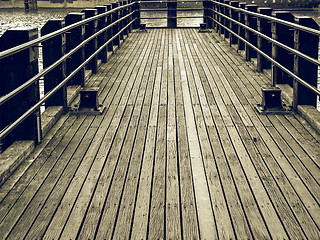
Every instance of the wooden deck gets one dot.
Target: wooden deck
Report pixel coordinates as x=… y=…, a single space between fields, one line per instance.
x=180 y=152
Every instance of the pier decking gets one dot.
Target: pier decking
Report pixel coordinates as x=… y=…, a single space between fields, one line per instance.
x=180 y=152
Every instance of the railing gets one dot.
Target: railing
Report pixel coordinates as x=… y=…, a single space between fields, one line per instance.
x=289 y=43
x=168 y=10
x=64 y=64
x=289 y=49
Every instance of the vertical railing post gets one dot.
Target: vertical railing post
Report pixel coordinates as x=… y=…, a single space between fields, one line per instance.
x=136 y=15
x=241 y=31
x=215 y=15
x=73 y=39
x=226 y=21
x=264 y=27
x=130 y=10
x=284 y=35
x=208 y=13
x=125 y=22
x=221 y=18
x=52 y=50
x=233 y=26
x=121 y=23
x=14 y=71
x=251 y=22
x=308 y=44
x=110 y=30
x=103 y=37
x=115 y=17
x=91 y=47
x=172 y=13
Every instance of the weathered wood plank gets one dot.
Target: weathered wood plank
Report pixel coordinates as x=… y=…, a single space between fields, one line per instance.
x=180 y=152
x=14 y=205
x=38 y=201
x=204 y=208
x=173 y=208
x=141 y=214
x=188 y=208
x=126 y=210
x=156 y=228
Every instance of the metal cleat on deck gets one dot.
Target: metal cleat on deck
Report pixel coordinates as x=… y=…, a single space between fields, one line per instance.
x=89 y=103
x=271 y=102
x=203 y=28
x=143 y=27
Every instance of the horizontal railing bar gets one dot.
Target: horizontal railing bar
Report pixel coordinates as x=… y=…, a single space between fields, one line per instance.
x=35 y=108
x=169 y=17
x=191 y=1
x=36 y=41
x=25 y=85
x=166 y=9
x=270 y=18
x=294 y=51
x=297 y=78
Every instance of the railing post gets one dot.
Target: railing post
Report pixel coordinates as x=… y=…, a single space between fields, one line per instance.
x=308 y=44
x=74 y=38
x=121 y=24
x=91 y=47
x=103 y=37
x=282 y=34
x=221 y=18
x=14 y=71
x=130 y=10
x=115 y=17
x=215 y=15
x=226 y=21
x=136 y=15
x=233 y=26
x=125 y=22
x=241 y=31
x=264 y=27
x=52 y=50
x=172 y=13
x=251 y=22
x=208 y=13
x=110 y=30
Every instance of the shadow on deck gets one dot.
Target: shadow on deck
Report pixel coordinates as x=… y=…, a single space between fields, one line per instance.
x=180 y=152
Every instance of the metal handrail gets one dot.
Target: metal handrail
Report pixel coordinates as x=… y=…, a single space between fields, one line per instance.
x=269 y=39
x=32 y=80
x=300 y=80
x=166 y=9
x=270 y=18
x=35 y=108
x=14 y=50
x=4 y=132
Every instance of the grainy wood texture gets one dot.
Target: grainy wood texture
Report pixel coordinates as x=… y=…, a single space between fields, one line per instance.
x=179 y=153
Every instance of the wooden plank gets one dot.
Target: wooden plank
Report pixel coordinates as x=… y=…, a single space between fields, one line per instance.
x=111 y=149
x=71 y=196
x=127 y=207
x=47 y=184
x=44 y=217
x=189 y=219
x=173 y=208
x=15 y=181
x=156 y=228
x=141 y=214
x=251 y=174
x=14 y=205
x=204 y=209
x=237 y=215
x=113 y=201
